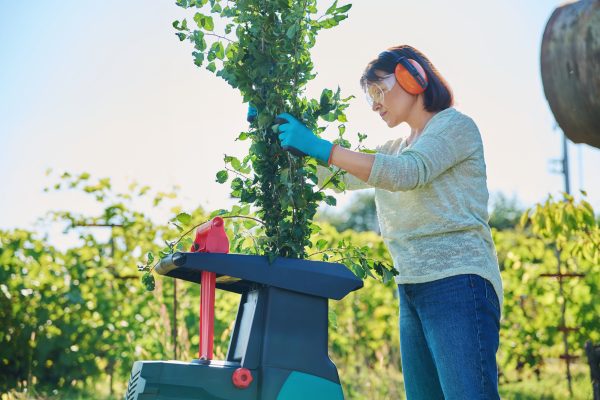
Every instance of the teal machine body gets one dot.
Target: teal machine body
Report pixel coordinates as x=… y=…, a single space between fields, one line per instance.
x=278 y=349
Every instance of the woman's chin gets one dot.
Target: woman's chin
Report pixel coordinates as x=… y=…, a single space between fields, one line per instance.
x=391 y=123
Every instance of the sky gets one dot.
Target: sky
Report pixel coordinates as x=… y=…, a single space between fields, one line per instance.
x=107 y=88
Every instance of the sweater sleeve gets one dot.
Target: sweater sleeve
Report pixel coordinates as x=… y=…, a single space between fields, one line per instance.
x=434 y=153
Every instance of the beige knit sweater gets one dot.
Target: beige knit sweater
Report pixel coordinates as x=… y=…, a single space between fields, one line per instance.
x=432 y=202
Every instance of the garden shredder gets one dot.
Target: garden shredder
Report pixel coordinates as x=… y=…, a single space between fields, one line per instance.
x=278 y=347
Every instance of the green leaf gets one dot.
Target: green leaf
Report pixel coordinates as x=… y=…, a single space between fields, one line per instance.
x=218 y=50
x=326 y=100
x=332 y=8
x=199 y=19
x=387 y=275
x=150 y=258
x=343 y=9
x=184 y=218
x=183 y=26
x=148 y=281
x=198 y=58
x=198 y=39
x=204 y=21
x=291 y=32
x=329 y=23
x=330 y=117
x=264 y=120
x=357 y=269
x=236 y=164
x=339 y=18
x=321 y=244
x=222 y=176
x=181 y=36
x=209 y=25
x=332 y=318
x=249 y=224
x=237 y=183
x=330 y=200
x=342 y=142
x=230 y=50
x=211 y=67
x=217 y=213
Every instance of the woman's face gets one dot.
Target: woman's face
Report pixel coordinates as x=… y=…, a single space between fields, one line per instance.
x=397 y=104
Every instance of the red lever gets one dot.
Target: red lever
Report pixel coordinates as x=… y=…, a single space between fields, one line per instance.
x=242 y=378
x=207 y=315
x=210 y=238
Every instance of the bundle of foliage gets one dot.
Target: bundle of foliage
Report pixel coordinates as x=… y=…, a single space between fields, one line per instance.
x=263 y=50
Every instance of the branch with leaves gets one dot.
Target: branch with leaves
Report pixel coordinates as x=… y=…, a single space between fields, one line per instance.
x=262 y=48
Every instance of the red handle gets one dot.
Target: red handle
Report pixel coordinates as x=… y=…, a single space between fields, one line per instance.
x=207 y=315
x=210 y=238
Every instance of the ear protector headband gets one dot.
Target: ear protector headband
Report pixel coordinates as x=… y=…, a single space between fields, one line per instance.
x=409 y=73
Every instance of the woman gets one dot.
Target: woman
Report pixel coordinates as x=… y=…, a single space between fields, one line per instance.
x=431 y=196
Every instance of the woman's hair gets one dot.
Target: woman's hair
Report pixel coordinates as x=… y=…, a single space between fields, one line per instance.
x=438 y=95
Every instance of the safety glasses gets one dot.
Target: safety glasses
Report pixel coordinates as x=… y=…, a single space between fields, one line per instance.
x=376 y=91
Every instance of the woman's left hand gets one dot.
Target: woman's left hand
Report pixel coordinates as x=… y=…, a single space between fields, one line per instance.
x=294 y=135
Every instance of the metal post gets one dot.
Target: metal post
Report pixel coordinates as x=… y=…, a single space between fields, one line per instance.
x=565 y=164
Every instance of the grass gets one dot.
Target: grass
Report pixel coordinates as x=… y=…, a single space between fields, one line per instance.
x=382 y=384
x=552 y=384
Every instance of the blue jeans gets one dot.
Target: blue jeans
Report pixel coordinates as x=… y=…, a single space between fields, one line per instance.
x=449 y=335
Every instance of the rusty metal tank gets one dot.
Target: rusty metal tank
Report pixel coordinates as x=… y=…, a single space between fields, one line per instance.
x=570 y=63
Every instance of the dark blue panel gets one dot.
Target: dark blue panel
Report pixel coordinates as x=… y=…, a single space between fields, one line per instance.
x=322 y=279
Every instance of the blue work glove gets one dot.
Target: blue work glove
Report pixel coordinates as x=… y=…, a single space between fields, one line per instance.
x=252 y=113
x=296 y=138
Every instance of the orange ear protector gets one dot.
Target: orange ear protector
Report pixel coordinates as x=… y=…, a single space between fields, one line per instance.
x=409 y=73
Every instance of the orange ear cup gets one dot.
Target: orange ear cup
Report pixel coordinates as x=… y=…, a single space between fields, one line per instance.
x=407 y=81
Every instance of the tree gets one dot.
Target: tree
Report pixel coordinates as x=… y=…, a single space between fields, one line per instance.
x=505 y=213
